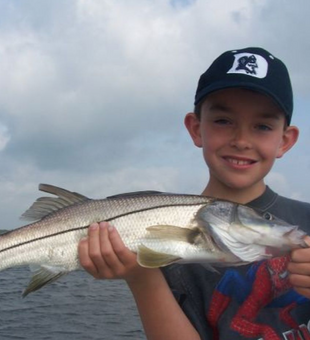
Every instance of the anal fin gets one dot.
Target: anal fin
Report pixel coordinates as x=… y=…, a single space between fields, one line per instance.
x=43 y=276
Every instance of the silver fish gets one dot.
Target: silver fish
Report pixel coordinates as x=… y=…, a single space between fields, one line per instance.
x=161 y=228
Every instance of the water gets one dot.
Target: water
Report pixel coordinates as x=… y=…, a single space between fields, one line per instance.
x=76 y=307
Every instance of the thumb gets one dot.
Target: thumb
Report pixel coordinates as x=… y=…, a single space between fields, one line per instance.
x=307 y=240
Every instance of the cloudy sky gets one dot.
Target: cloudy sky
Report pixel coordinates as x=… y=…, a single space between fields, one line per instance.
x=93 y=92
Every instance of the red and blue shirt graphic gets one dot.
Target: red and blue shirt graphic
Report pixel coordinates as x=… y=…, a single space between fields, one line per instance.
x=265 y=285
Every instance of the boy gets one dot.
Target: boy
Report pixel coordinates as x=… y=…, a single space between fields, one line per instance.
x=243 y=109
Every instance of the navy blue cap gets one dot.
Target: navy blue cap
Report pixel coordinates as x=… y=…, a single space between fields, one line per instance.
x=253 y=68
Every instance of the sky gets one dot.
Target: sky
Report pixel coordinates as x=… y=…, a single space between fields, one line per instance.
x=93 y=93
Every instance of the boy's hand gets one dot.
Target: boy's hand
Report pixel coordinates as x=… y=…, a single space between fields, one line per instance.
x=299 y=269
x=104 y=255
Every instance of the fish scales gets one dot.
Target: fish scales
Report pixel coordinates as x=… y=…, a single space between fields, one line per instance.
x=161 y=228
x=38 y=241
x=132 y=227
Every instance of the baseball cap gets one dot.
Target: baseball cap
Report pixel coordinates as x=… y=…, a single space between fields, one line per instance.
x=253 y=68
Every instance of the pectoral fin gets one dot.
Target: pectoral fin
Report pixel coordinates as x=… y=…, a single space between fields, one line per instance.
x=171 y=232
x=42 y=276
x=150 y=258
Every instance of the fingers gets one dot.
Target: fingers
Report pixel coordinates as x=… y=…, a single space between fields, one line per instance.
x=301 y=284
x=307 y=240
x=299 y=269
x=103 y=254
x=97 y=234
x=300 y=255
x=85 y=247
x=124 y=255
x=105 y=257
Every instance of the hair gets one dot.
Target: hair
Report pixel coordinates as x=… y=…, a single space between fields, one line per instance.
x=197 y=110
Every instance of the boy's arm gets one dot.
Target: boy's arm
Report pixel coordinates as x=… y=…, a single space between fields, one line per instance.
x=299 y=269
x=104 y=256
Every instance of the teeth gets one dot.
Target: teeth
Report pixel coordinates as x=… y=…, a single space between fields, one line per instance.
x=238 y=162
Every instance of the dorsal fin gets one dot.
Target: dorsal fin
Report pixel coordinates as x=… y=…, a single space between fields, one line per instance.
x=43 y=206
x=136 y=193
x=62 y=193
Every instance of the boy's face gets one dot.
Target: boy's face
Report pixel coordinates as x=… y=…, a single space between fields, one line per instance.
x=241 y=133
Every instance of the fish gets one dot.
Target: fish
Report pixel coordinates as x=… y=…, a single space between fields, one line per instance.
x=162 y=228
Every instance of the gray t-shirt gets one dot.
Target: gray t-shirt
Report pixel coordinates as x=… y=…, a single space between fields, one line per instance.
x=248 y=302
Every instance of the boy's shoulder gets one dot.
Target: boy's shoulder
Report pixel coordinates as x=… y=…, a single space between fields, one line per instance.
x=270 y=199
x=288 y=209
x=295 y=210
x=295 y=204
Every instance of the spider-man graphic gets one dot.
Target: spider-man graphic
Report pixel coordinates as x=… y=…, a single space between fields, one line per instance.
x=265 y=285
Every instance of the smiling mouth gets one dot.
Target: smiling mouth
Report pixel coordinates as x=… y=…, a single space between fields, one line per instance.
x=239 y=161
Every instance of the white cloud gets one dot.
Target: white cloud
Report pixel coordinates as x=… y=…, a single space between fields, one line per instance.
x=4 y=136
x=277 y=181
x=93 y=92
x=282 y=184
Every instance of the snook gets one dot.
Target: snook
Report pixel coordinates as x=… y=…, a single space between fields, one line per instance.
x=161 y=228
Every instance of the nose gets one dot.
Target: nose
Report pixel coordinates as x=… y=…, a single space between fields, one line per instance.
x=241 y=139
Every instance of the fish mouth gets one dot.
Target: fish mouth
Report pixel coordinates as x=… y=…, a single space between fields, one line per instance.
x=239 y=161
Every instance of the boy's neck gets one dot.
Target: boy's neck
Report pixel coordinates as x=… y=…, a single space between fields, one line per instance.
x=242 y=196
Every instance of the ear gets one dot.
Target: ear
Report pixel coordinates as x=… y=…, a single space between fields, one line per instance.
x=192 y=124
x=290 y=137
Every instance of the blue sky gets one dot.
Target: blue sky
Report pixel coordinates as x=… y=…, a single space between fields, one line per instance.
x=93 y=93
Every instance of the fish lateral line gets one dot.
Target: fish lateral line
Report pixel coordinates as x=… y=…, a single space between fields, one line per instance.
x=110 y=219
x=170 y=228
x=39 y=238
x=154 y=208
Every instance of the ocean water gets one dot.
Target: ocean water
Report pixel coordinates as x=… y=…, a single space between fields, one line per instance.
x=76 y=307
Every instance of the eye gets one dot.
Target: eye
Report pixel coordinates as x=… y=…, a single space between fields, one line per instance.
x=222 y=121
x=263 y=127
x=283 y=275
x=268 y=216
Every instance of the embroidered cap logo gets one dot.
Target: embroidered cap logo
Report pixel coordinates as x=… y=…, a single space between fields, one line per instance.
x=250 y=64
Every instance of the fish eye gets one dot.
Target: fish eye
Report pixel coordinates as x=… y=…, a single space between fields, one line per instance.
x=283 y=275
x=268 y=216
